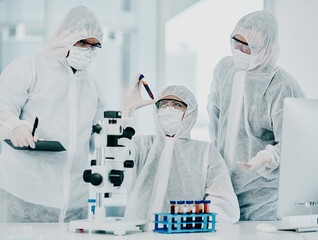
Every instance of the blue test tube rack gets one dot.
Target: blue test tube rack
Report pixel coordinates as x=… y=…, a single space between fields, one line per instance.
x=176 y=223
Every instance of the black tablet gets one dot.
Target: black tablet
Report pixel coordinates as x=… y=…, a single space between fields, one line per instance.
x=41 y=145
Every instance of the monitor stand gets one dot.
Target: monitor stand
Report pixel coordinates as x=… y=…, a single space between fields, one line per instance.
x=305 y=223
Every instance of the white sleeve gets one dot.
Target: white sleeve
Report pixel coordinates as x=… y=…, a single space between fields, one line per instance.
x=102 y=106
x=140 y=147
x=15 y=84
x=269 y=170
x=219 y=190
x=213 y=109
x=129 y=122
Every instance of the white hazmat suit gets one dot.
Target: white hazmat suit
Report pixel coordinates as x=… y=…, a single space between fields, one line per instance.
x=245 y=107
x=48 y=186
x=179 y=168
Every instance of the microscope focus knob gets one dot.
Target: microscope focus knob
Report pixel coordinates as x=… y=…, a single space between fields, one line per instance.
x=96 y=179
x=116 y=177
x=97 y=128
x=87 y=175
x=93 y=162
x=129 y=164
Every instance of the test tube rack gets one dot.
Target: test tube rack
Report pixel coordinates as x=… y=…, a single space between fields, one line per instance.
x=178 y=223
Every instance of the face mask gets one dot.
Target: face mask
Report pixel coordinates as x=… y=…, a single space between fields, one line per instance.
x=170 y=120
x=243 y=61
x=80 y=58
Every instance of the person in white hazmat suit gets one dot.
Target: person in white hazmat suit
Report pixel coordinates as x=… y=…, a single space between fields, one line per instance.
x=245 y=107
x=172 y=166
x=54 y=86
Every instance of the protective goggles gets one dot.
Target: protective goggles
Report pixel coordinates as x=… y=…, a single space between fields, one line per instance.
x=238 y=44
x=85 y=44
x=176 y=104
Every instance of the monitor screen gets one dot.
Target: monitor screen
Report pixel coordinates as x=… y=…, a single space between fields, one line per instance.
x=298 y=180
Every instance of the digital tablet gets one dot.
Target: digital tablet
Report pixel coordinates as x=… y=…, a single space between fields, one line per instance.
x=41 y=145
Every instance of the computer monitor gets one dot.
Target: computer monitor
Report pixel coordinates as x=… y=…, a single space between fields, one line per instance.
x=298 y=180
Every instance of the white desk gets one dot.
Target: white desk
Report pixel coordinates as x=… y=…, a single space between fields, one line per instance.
x=55 y=231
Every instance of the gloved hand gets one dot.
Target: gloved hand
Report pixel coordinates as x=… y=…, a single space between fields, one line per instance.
x=133 y=99
x=261 y=158
x=22 y=136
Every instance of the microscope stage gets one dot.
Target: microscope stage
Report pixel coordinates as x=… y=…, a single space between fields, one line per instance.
x=118 y=225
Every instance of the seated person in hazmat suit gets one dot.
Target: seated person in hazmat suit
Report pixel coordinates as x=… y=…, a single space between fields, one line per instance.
x=172 y=166
x=53 y=85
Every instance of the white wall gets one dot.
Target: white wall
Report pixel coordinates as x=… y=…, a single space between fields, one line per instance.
x=298 y=25
x=204 y=29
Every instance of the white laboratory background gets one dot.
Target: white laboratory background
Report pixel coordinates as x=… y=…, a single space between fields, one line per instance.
x=169 y=41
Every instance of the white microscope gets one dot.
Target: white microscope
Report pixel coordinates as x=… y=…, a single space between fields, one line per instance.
x=107 y=171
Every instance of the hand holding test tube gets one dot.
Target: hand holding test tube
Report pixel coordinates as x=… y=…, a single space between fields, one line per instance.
x=133 y=99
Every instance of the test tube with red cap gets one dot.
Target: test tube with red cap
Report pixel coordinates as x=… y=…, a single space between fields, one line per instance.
x=198 y=210
x=189 y=211
x=206 y=208
x=141 y=77
x=181 y=210
x=173 y=211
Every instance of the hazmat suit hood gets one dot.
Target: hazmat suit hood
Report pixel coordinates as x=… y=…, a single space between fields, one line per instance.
x=260 y=30
x=79 y=23
x=190 y=115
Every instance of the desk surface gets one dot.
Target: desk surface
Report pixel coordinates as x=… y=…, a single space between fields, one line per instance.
x=55 y=231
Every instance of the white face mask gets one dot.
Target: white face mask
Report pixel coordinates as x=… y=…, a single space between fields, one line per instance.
x=243 y=61
x=79 y=58
x=170 y=120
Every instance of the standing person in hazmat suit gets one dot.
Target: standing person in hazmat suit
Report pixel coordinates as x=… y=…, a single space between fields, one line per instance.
x=245 y=107
x=53 y=85
x=172 y=166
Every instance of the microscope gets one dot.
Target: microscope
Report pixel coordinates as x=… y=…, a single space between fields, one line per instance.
x=113 y=155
